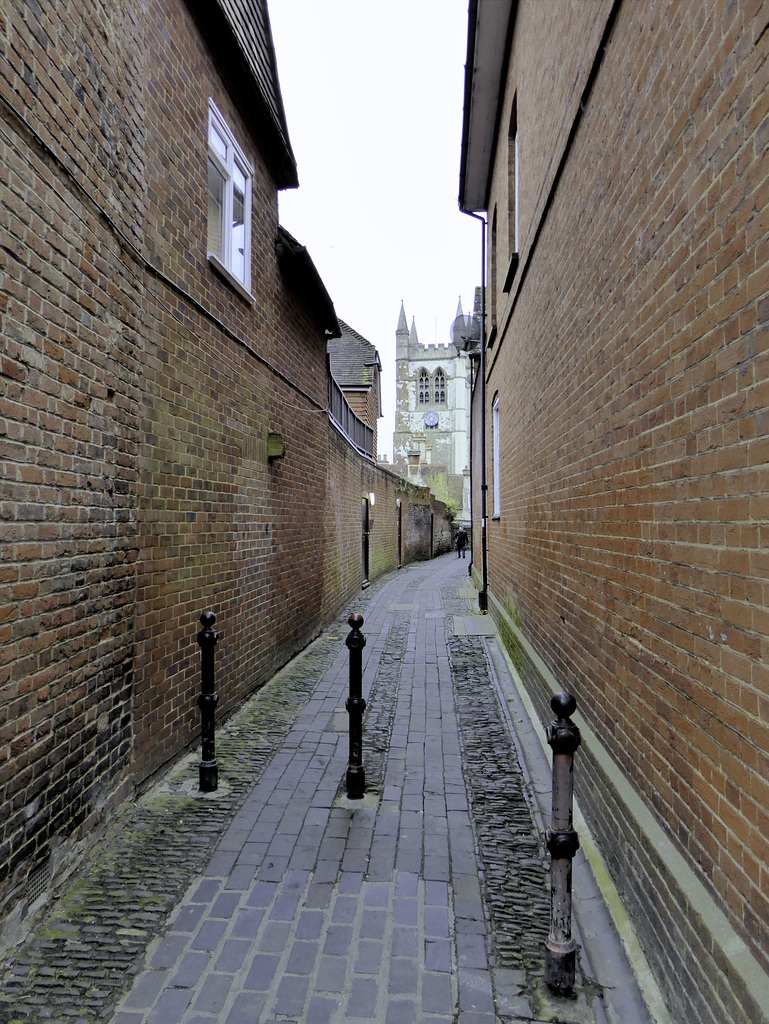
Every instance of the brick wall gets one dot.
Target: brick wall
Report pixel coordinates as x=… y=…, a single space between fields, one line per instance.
x=69 y=322
x=421 y=516
x=633 y=370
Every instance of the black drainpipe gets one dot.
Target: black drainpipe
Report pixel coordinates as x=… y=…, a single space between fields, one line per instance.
x=483 y=593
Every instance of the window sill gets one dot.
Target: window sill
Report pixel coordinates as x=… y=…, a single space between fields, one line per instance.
x=230 y=279
x=512 y=268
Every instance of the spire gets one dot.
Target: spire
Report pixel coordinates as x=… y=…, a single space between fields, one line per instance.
x=413 y=339
x=402 y=325
x=402 y=340
x=460 y=311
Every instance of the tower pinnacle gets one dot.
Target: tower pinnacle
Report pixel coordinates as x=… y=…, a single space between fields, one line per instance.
x=402 y=324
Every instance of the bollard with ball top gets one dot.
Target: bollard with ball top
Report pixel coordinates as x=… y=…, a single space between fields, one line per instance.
x=356 y=705
x=207 y=701
x=562 y=844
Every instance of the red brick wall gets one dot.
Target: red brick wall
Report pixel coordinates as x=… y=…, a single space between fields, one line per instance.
x=69 y=375
x=632 y=362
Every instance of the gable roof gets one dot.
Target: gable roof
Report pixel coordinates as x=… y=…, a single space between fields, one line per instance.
x=239 y=33
x=353 y=360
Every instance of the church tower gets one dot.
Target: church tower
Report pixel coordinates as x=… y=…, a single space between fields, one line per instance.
x=432 y=416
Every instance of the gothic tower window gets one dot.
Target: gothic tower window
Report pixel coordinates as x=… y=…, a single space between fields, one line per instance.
x=424 y=388
x=439 y=382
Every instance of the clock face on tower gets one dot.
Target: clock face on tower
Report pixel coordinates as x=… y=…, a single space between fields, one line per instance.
x=431 y=419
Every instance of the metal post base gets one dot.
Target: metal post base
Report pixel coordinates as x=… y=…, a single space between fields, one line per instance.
x=356 y=783
x=209 y=776
x=560 y=969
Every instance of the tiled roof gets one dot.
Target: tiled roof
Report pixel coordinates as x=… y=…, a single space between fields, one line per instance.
x=241 y=33
x=353 y=359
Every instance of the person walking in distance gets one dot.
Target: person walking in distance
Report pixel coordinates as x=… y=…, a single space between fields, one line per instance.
x=461 y=539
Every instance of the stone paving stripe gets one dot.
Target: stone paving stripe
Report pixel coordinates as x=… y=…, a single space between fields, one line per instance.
x=213 y=995
x=401 y=1011
x=362 y=1003
x=369 y=956
x=332 y=973
x=209 y=935
x=262 y=971
x=190 y=970
x=233 y=955
x=247 y=923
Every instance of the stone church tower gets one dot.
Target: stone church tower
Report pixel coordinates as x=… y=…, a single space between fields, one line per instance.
x=431 y=442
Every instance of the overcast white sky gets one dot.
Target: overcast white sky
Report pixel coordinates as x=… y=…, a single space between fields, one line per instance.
x=373 y=95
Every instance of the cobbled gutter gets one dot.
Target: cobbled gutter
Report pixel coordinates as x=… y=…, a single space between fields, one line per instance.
x=515 y=879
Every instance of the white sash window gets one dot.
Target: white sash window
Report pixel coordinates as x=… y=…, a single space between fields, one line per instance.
x=229 y=200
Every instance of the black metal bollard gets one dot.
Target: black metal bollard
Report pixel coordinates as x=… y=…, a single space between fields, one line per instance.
x=207 y=701
x=562 y=843
x=356 y=705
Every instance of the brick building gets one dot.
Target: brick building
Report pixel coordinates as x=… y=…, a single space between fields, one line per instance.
x=617 y=151
x=164 y=416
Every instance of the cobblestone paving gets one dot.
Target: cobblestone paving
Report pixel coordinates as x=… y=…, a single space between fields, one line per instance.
x=516 y=879
x=515 y=865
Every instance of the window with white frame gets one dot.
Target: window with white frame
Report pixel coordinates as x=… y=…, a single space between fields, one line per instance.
x=495 y=455
x=439 y=382
x=229 y=200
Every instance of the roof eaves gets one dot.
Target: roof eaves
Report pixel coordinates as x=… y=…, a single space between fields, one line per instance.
x=239 y=33
x=302 y=276
x=489 y=41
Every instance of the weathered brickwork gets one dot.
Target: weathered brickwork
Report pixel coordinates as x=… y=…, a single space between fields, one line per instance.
x=352 y=479
x=633 y=373
x=70 y=325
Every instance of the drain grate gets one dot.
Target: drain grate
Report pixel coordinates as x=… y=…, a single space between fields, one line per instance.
x=38 y=880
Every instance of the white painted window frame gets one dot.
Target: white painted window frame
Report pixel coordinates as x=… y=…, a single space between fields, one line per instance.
x=229 y=163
